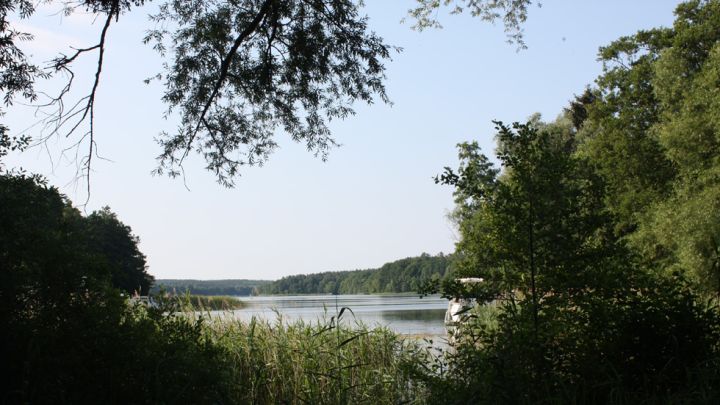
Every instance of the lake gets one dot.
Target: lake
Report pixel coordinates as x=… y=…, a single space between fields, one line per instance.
x=404 y=314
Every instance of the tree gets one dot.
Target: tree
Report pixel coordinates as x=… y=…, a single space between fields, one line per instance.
x=47 y=277
x=43 y=256
x=17 y=74
x=569 y=303
x=67 y=334
x=53 y=259
x=682 y=231
x=114 y=241
x=534 y=222
x=616 y=136
x=652 y=134
x=236 y=72
x=404 y=275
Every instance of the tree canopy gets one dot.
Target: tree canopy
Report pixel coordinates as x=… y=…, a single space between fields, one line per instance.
x=566 y=302
x=210 y=287
x=652 y=134
x=68 y=333
x=597 y=235
x=115 y=242
x=236 y=73
x=46 y=243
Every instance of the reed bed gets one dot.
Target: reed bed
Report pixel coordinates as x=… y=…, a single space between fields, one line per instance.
x=325 y=362
x=213 y=302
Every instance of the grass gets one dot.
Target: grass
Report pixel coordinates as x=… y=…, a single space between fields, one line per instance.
x=318 y=363
x=212 y=302
x=340 y=361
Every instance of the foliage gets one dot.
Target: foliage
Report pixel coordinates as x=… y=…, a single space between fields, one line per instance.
x=578 y=317
x=538 y=223
x=330 y=362
x=404 y=275
x=211 y=303
x=236 y=72
x=17 y=73
x=115 y=354
x=68 y=335
x=244 y=69
x=651 y=131
x=116 y=243
x=649 y=342
x=513 y=14
x=616 y=136
x=47 y=270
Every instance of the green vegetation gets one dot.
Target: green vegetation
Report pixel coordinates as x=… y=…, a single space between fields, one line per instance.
x=71 y=336
x=404 y=275
x=210 y=287
x=323 y=363
x=68 y=334
x=598 y=237
x=212 y=303
x=400 y=276
x=652 y=134
x=235 y=72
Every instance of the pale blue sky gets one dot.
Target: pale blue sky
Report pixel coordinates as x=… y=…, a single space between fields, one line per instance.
x=374 y=200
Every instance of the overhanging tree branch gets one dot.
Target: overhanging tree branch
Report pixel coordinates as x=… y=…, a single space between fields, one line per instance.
x=84 y=109
x=224 y=68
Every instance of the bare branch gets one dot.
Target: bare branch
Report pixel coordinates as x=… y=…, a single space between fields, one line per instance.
x=82 y=111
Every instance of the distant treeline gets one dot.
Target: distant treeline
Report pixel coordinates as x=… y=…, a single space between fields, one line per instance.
x=211 y=287
x=404 y=275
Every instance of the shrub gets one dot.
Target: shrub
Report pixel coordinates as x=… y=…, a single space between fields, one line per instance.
x=650 y=341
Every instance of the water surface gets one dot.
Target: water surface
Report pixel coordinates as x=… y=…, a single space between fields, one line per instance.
x=404 y=314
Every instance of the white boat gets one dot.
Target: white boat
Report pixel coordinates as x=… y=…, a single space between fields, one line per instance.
x=458 y=306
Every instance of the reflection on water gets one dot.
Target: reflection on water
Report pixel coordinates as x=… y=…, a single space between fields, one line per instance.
x=405 y=314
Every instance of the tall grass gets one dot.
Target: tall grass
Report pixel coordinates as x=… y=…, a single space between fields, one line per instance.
x=316 y=363
x=212 y=303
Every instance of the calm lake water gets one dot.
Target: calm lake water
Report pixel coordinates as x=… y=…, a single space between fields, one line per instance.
x=404 y=314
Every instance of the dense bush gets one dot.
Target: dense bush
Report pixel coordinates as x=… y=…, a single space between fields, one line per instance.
x=650 y=341
x=68 y=335
x=120 y=355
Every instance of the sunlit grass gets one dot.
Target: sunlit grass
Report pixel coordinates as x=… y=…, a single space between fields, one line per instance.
x=318 y=363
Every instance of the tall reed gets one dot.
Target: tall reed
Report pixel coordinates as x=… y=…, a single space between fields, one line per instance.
x=326 y=362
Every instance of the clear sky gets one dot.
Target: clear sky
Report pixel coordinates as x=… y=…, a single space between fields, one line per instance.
x=374 y=200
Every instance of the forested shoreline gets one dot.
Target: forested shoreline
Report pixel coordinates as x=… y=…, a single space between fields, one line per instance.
x=406 y=275
x=233 y=287
x=401 y=276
